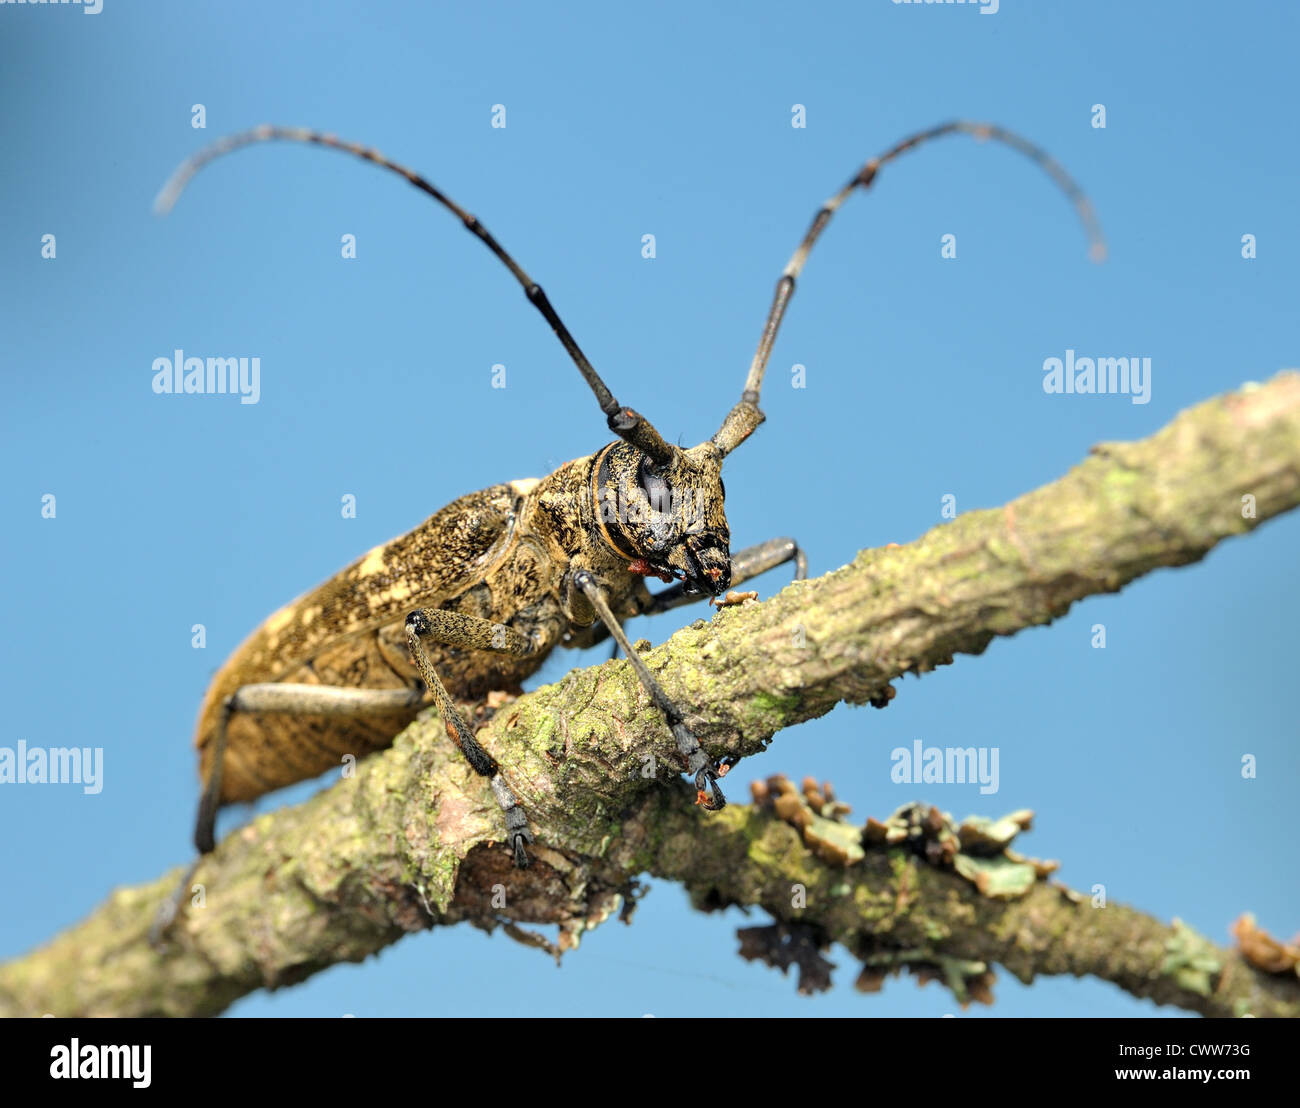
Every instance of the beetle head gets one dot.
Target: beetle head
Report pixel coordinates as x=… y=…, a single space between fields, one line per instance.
x=667 y=519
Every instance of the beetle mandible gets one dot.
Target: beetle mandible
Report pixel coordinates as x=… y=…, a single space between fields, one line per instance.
x=475 y=597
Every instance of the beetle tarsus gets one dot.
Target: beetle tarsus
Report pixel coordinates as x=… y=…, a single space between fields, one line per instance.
x=707 y=794
x=162 y=923
x=518 y=835
x=169 y=909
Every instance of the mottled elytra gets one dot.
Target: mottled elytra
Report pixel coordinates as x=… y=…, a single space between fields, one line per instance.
x=475 y=597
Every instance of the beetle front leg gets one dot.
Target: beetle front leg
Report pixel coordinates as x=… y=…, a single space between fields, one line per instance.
x=703 y=768
x=437 y=627
x=745 y=564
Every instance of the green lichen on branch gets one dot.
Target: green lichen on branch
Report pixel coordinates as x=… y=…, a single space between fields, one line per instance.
x=411 y=840
x=895 y=909
x=977 y=849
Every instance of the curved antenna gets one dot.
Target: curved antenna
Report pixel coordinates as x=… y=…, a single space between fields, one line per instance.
x=624 y=422
x=742 y=420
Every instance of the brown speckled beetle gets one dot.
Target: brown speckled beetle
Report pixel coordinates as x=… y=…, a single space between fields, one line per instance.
x=474 y=598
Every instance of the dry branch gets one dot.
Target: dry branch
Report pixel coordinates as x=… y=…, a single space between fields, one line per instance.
x=410 y=841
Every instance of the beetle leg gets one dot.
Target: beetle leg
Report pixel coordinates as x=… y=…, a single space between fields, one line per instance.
x=704 y=769
x=455 y=629
x=748 y=563
x=285 y=699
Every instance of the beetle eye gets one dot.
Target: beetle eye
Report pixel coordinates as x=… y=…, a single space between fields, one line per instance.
x=655 y=487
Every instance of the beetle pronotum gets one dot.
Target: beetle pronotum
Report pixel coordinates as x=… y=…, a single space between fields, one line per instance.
x=477 y=596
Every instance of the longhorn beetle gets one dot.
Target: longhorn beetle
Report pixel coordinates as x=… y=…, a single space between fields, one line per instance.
x=476 y=596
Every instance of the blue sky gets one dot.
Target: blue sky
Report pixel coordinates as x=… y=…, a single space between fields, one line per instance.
x=924 y=379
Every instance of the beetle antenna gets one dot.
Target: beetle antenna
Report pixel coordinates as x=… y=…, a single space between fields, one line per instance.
x=624 y=422
x=742 y=420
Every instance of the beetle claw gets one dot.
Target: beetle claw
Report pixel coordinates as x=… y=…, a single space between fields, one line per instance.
x=707 y=794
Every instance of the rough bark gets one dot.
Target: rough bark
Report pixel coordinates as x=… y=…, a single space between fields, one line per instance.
x=411 y=840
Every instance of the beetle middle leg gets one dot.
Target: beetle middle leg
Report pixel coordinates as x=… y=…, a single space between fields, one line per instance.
x=745 y=564
x=436 y=626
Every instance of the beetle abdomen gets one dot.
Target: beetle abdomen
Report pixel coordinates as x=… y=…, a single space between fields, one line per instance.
x=348 y=631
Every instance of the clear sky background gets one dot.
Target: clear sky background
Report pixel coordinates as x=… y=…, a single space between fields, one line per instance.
x=923 y=379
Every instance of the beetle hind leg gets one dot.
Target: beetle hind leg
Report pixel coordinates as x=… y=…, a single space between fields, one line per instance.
x=283 y=698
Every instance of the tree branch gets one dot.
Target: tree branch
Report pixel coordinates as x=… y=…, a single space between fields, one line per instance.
x=411 y=840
